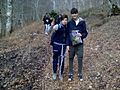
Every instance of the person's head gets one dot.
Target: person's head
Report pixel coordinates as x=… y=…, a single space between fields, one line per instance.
x=60 y=15
x=74 y=13
x=46 y=15
x=64 y=19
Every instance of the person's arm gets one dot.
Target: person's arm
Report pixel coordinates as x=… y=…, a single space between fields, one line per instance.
x=84 y=33
x=53 y=28
x=68 y=35
x=43 y=20
x=67 y=40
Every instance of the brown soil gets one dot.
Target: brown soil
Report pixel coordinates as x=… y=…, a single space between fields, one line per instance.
x=25 y=60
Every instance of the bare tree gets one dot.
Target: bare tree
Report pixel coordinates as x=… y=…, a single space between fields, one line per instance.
x=3 y=20
x=0 y=19
x=36 y=9
x=9 y=16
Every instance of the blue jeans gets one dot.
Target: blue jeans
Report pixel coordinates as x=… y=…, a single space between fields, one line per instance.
x=47 y=28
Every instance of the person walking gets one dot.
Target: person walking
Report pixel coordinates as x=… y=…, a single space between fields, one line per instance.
x=77 y=32
x=59 y=44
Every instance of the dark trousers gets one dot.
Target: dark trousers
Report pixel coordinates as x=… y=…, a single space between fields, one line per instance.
x=79 y=51
x=58 y=57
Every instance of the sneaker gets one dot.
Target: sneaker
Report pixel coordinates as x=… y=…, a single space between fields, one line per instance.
x=46 y=33
x=80 y=77
x=54 y=76
x=70 y=77
x=60 y=77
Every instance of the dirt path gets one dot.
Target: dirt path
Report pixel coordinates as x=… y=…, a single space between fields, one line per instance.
x=26 y=60
x=101 y=62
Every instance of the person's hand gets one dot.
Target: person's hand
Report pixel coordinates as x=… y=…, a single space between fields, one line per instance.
x=68 y=48
x=79 y=34
x=52 y=23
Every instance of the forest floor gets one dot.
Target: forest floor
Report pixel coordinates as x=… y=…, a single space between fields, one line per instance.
x=26 y=59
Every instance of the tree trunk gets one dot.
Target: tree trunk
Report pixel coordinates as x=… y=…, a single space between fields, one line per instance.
x=3 y=17
x=36 y=10
x=0 y=18
x=9 y=16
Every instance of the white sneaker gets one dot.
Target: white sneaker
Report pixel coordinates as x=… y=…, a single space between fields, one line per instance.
x=46 y=33
x=54 y=76
x=60 y=77
x=81 y=80
x=80 y=77
x=70 y=77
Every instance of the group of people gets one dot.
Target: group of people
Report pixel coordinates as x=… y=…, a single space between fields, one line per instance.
x=48 y=20
x=67 y=37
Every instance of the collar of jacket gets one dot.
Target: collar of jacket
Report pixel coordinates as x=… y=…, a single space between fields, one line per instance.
x=61 y=25
x=80 y=19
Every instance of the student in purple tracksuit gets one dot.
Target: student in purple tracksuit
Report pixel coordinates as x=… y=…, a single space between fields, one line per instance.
x=59 y=43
